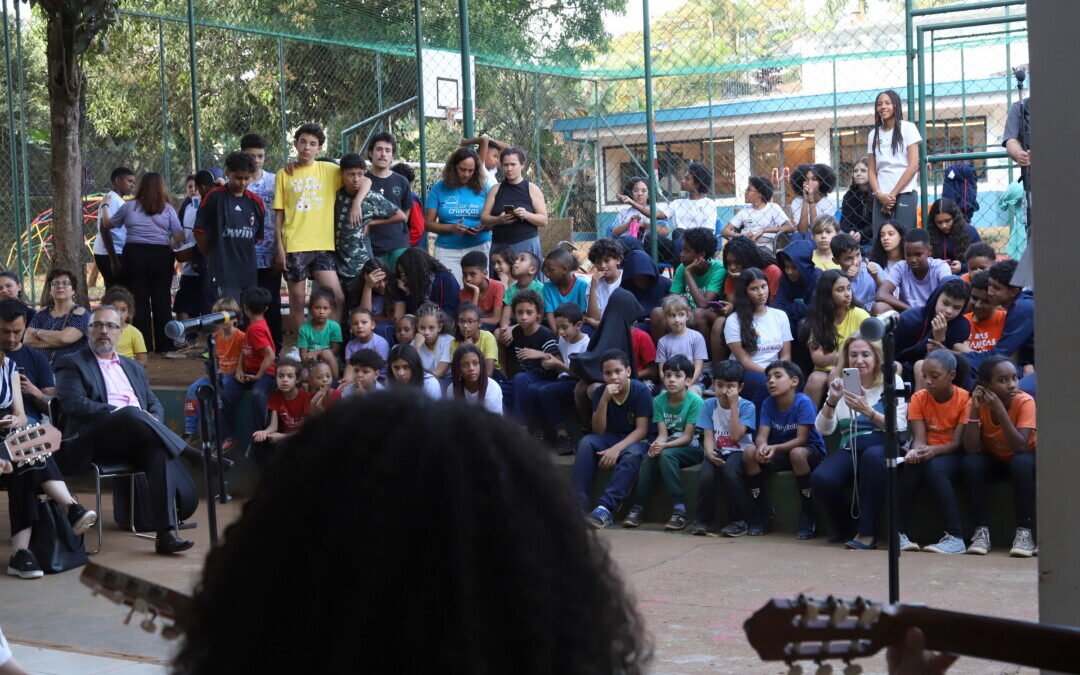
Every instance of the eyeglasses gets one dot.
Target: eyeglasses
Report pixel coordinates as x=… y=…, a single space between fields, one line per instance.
x=98 y=325
x=61 y=284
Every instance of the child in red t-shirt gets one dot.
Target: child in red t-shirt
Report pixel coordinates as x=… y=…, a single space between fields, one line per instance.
x=255 y=372
x=287 y=406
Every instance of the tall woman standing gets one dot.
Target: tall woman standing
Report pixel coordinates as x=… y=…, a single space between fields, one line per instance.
x=515 y=210
x=452 y=211
x=153 y=229
x=893 y=160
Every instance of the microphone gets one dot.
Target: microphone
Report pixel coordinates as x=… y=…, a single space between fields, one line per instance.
x=177 y=329
x=876 y=327
x=1020 y=74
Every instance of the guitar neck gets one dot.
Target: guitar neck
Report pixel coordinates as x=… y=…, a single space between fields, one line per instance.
x=1034 y=645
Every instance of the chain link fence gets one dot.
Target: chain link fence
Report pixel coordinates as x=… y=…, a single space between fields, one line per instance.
x=753 y=88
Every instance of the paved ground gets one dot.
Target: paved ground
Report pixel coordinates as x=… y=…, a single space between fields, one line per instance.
x=694 y=592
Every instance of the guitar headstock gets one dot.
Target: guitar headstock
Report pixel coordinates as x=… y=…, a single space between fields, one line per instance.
x=142 y=596
x=813 y=629
x=31 y=444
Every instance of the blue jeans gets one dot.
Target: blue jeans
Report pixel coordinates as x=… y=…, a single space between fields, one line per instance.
x=755 y=389
x=552 y=396
x=832 y=480
x=231 y=393
x=192 y=413
x=623 y=475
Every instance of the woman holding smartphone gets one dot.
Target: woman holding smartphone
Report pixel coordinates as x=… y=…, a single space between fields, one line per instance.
x=854 y=406
x=515 y=210
x=452 y=211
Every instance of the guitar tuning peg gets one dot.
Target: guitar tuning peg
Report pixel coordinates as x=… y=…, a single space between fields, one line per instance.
x=852 y=669
x=824 y=669
x=870 y=615
x=127 y=619
x=147 y=625
x=169 y=632
x=840 y=612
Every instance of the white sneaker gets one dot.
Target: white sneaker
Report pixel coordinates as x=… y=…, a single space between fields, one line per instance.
x=948 y=544
x=980 y=541
x=1023 y=544
x=906 y=544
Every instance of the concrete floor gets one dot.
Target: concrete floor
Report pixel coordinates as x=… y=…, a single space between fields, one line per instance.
x=694 y=592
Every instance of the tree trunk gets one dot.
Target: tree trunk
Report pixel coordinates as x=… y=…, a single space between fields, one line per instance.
x=65 y=90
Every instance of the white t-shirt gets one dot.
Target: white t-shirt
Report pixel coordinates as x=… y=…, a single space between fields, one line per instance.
x=119 y=234
x=492 y=397
x=623 y=217
x=773 y=329
x=750 y=220
x=686 y=214
x=891 y=165
x=824 y=207
x=489 y=178
x=604 y=290
x=431 y=358
x=190 y=216
x=568 y=348
x=432 y=387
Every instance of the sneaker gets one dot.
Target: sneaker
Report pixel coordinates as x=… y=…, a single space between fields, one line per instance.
x=600 y=518
x=632 y=519
x=906 y=544
x=677 y=521
x=948 y=544
x=291 y=354
x=1023 y=544
x=980 y=541
x=24 y=565
x=699 y=530
x=807 y=525
x=736 y=528
x=81 y=519
x=759 y=524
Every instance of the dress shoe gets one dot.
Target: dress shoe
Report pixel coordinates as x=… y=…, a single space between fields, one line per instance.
x=168 y=542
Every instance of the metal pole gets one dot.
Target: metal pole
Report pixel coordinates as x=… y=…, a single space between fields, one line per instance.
x=467 y=96
x=909 y=28
x=835 y=149
x=13 y=155
x=164 y=104
x=1008 y=94
x=283 y=114
x=23 y=136
x=598 y=165
x=968 y=7
x=891 y=452
x=537 y=174
x=963 y=99
x=922 y=125
x=420 y=118
x=194 y=84
x=709 y=82
x=378 y=89
x=650 y=130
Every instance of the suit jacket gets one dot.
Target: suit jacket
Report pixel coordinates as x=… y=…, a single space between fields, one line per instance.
x=80 y=387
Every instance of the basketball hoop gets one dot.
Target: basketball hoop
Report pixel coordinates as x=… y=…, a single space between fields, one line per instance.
x=451 y=120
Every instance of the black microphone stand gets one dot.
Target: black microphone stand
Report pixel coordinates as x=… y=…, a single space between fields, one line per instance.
x=1025 y=143
x=892 y=465
x=211 y=410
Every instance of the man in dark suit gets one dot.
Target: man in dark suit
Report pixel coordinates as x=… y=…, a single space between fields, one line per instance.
x=110 y=407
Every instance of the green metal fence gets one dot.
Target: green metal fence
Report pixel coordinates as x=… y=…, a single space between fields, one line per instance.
x=745 y=87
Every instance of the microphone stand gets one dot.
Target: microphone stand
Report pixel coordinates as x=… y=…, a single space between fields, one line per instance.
x=210 y=422
x=1025 y=143
x=892 y=465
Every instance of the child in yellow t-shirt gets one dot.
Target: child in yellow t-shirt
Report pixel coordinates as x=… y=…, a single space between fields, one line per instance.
x=131 y=343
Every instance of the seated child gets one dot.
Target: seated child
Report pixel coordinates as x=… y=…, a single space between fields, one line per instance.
x=916 y=277
x=487 y=294
x=287 y=405
x=562 y=284
x=256 y=370
x=553 y=396
x=431 y=343
x=848 y=255
x=978 y=258
x=641 y=276
x=526 y=265
x=676 y=447
x=530 y=341
x=470 y=382
x=798 y=283
x=622 y=409
x=986 y=318
x=502 y=264
x=377 y=296
x=936 y=418
x=1019 y=329
x=831 y=320
x=939 y=324
x=469 y=332
x=362 y=326
x=365 y=364
x=786 y=441
x=131 y=343
x=1000 y=441
x=230 y=345
x=319 y=339
x=680 y=339
x=606 y=256
x=404 y=330
x=824 y=229
x=319 y=385
x=700 y=279
x=407 y=371
x=726 y=422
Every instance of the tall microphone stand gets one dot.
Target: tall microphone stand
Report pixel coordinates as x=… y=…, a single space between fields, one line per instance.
x=210 y=422
x=1025 y=143
x=892 y=465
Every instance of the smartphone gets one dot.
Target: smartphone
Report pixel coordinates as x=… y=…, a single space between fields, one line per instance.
x=508 y=210
x=852 y=382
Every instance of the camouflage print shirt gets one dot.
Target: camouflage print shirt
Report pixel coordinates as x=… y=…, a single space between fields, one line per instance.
x=352 y=247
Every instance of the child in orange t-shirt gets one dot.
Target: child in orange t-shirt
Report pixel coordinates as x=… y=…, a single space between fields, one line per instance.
x=1000 y=442
x=936 y=418
x=230 y=343
x=986 y=318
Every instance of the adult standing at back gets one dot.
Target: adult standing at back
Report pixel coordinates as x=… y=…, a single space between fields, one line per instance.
x=109 y=244
x=515 y=210
x=153 y=230
x=893 y=160
x=453 y=209
x=390 y=239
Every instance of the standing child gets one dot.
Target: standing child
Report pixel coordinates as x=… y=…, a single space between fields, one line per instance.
x=562 y=284
x=525 y=268
x=287 y=406
x=726 y=422
x=530 y=340
x=470 y=380
x=362 y=327
x=256 y=370
x=675 y=412
x=320 y=338
x=554 y=396
x=469 y=331
x=786 y=441
x=622 y=409
x=131 y=343
x=230 y=346
x=263 y=184
x=487 y=294
x=229 y=224
x=680 y=340
x=432 y=344
x=606 y=256
x=1000 y=440
x=824 y=229
x=109 y=243
x=352 y=247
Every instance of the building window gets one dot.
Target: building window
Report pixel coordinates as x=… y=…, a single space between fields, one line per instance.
x=672 y=158
x=849 y=147
x=775 y=151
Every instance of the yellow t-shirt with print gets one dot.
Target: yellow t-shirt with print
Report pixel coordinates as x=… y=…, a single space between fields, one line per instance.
x=487 y=345
x=307 y=198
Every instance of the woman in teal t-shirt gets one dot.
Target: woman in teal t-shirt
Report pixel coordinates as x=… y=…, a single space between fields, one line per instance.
x=452 y=211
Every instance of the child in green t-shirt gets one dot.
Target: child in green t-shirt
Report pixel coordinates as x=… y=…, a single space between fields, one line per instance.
x=319 y=339
x=675 y=412
x=700 y=279
x=526 y=267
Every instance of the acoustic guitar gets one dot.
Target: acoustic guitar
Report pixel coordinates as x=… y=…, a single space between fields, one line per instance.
x=148 y=599
x=31 y=444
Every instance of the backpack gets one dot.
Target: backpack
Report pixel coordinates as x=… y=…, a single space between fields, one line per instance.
x=962 y=186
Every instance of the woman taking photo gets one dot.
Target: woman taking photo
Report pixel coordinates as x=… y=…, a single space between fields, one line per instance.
x=515 y=210
x=61 y=327
x=452 y=211
x=857 y=208
x=762 y=220
x=153 y=230
x=632 y=224
x=893 y=161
